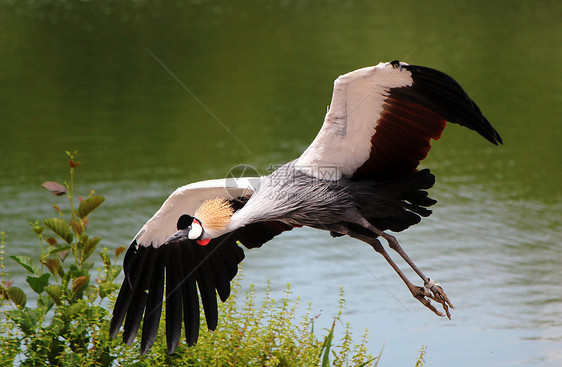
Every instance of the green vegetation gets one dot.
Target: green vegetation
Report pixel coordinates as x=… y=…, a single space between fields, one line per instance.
x=68 y=323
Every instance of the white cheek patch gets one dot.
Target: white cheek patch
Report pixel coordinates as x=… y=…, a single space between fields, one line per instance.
x=195 y=232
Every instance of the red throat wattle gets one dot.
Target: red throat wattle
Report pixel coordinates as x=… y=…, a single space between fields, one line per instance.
x=204 y=242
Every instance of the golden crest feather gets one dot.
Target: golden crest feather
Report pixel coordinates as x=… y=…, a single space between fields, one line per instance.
x=214 y=214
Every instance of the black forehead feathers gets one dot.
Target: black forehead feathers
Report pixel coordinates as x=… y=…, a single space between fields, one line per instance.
x=184 y=221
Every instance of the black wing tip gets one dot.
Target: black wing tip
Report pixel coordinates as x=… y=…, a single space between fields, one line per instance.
x=116 y=322
x=179 y=267
x=113 y=331
x=144 y=349
x=459 y=107
x=492 y=136
x=496 y=139
x=129 y=338
x=171 y=349
x=487 y=130
x=191 y=342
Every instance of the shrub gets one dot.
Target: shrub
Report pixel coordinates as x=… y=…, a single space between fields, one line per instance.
x=67 y=324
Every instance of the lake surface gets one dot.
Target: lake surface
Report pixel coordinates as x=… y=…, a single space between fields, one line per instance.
x=116 y=82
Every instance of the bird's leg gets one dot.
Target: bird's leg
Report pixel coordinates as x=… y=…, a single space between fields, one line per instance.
x=419 y=293
x=438 y=294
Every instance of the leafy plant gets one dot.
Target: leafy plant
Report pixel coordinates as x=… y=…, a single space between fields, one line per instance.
x=420 y=361
x=68 y=324
x=252 y=333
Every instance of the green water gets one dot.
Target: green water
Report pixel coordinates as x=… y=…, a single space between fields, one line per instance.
x=115 y=80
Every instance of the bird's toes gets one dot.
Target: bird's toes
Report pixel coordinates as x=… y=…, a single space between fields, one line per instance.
x=439 y=295
x=421 y=296
x=432 y=292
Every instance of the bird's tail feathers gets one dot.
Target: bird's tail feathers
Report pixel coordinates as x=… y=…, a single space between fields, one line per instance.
x=410 y=188
x=399 y=204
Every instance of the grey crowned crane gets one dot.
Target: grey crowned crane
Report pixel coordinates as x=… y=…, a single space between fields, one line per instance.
x=358 y=178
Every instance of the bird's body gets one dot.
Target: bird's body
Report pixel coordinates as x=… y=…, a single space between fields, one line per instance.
x=358 y=178
x=294 y=197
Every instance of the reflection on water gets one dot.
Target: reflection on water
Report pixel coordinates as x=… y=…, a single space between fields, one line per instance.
x=79 y=75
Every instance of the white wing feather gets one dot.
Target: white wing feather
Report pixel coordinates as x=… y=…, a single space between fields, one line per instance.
x=344 y=141
x=186 y=200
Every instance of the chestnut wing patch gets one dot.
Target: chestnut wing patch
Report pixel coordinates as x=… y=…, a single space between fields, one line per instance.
x=401 y=140
x=412 y=116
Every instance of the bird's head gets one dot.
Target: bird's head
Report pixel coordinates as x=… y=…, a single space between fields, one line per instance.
x=189 y=228
x=213 y=215
x=191 y=225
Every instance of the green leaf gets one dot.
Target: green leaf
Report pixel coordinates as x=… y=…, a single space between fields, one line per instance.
x=54 y=249
x=327 y=346
x=53 y=265
x=113 y=271
x=4 y=292
x=36 y=227
x=105 y=259
x=61 y=228
x=75 y=308
x=44 y=303
x=106 y=359
x=80 y=282
x=89 y=205
x=90 y=245
x=91 y=292
x=55 y=292
x=55 y=351
x=25 y=319
x=77 y=226
x=63 y=254
x=76 y=272
x=106 y=288
x=17 y=296
x=368 y=362
x=38 y=284
x=26 y=262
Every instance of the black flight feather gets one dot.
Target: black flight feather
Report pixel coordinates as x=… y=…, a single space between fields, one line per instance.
x=438 y=91
x=142 y=272
x=174 y=272
x=184 y=267
x=153 y=308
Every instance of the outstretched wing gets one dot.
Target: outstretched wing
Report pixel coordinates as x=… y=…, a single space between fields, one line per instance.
x=184 y=270
x=186 y=200
x=382 y=118
x=187 y=266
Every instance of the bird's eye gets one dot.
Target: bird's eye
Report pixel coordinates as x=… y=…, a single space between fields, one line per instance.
x=189 y=228
x=184 y=221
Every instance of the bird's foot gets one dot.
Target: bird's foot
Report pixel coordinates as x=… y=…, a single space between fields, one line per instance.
x=432 y=291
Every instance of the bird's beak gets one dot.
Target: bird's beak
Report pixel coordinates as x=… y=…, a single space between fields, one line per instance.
x=193 y=232
x=181 y=235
